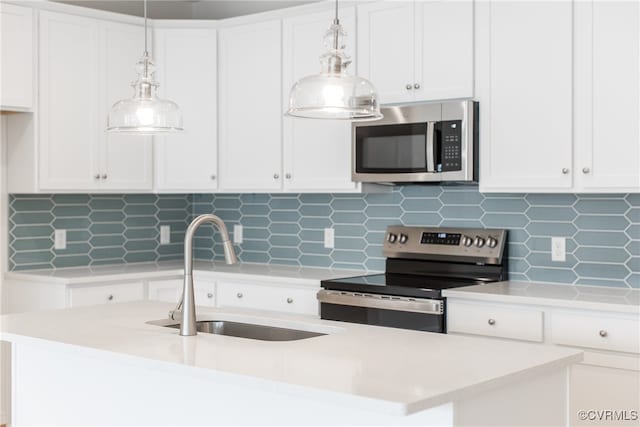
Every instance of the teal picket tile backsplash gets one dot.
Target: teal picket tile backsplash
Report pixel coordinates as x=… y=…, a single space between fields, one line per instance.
x=602 y=231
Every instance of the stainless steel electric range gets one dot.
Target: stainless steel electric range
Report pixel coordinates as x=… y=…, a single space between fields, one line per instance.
x=420 y=263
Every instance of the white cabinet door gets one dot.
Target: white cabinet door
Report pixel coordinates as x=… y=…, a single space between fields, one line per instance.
x=607 y=96
x=443 y=49
x=287 y=299
x=106 y=294
x=386 y=48
x=187 y=70
x=125 y=160
x=251 y=107
x=317 y=153
x=17 y=50
x=524 y=86
x=171 y=291
x=69 y=102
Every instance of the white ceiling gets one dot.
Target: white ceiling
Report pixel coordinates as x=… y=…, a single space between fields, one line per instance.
x=188 y=9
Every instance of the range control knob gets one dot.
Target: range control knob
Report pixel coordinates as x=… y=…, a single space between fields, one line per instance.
x=479 y=241
x=491 y=242
x=403 y=238
x=467 y=241
x=391 y=238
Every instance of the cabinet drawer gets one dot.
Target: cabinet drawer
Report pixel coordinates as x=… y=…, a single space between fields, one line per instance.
x=171 y=291
x=267 y=297
x=494 y=321
x=92 y=295
x=601 y=332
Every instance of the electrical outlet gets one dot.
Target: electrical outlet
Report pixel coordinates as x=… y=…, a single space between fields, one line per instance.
x=60 y=240
x=558 y=249
x=165 y=234
x=237 y=233
x=329 y=238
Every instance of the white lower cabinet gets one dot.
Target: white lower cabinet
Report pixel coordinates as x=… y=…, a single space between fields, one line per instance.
x=105 y=294
x=171 y=291
x=286 y=299
x=609 y=377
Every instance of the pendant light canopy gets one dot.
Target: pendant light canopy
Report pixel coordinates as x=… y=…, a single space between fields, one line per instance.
x=145 y=113
x=333 y=94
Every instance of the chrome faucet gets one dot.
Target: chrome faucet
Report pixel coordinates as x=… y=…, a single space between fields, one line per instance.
x=187 y=305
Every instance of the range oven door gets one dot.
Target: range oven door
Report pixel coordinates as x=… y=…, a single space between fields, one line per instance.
x=382 y=310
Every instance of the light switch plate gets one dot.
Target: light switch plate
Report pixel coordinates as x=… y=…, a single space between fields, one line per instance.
x=60 y=240
x=329 y=238
x=237 y=233
x=558 y=249
x=165 y=234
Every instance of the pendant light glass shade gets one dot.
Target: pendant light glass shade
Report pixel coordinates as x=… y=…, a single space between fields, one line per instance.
x=334 y=94
x=145 y=113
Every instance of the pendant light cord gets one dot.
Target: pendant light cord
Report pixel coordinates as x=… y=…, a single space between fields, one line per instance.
x=336 y=21
x=146 y=52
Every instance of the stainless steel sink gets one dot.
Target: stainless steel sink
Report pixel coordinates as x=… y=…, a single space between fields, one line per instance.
x=243 y=330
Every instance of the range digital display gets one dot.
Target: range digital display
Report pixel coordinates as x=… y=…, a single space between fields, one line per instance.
x=452 y=239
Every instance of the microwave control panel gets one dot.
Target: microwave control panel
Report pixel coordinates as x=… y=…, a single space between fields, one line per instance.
x=451 y=145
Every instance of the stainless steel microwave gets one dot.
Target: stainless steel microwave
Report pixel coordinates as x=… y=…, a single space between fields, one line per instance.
x=433 y=142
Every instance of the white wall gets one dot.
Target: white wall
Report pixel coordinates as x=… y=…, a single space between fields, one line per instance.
x=4 y=347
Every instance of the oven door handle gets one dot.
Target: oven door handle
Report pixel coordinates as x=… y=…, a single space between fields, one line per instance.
x=384 y=302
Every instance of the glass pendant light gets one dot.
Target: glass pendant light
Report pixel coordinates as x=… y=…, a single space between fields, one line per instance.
x=145 y=113
x=333 y=94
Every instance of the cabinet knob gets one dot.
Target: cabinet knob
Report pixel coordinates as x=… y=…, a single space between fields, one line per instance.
x=603 y=333
x=96 y=176
x=409 y=86
x=213 y=177
x=586 y=170
x=110 y=297
x=104 y=176
x=565 y=170
x=209 y=295
x=288 y=176
x=289 y=300
x=276 y=176
x=491 y=322
x=416 y=86
x=239 y=295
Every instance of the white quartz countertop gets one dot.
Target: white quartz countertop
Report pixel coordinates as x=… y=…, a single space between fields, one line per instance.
x=573 y=296
x=393 y=371
x=139 y=271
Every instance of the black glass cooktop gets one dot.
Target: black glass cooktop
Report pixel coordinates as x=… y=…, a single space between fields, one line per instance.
x=406 y=285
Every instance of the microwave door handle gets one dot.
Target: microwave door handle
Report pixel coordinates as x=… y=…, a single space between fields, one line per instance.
x=431 y=130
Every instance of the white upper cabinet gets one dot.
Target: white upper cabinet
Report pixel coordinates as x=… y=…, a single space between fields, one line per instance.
x=317 y=153
x=85 y=66
x=187 y=71
x=250 y=144
x=70 y=131
x=17 y=51
x=607 y=96
x=126 y=161
x=417 y=50
x=524 y=85
x=559 y=107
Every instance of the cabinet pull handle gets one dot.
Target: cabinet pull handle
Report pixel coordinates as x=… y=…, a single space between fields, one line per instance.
x=104 y=176
x=239 y=295
x=96 y=176
x=416 y=86
x=276 y=176
x=586 y=170
x=289 y=300
x=409 y=86
x=565 y=170
x=603 y=333
x=209 y=295
x=110 y=297
x=288 y=176
x=491 y=322
x=213 y=177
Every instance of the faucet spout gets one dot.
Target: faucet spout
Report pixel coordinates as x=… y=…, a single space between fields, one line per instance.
x=187 y=305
